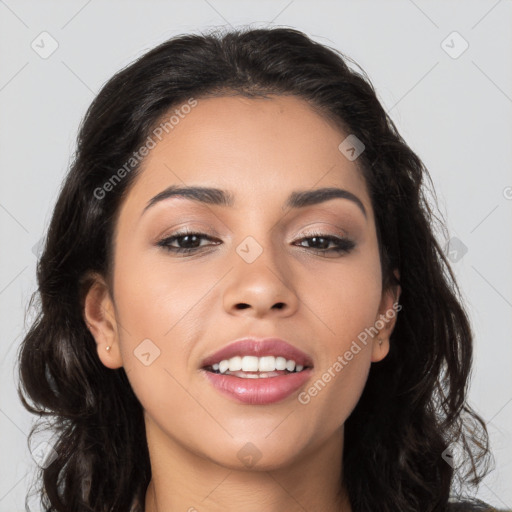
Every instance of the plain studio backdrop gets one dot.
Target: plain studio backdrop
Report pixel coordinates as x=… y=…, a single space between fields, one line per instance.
x=441 y=69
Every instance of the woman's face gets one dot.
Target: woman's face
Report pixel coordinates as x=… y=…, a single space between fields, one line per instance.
x=258 y=271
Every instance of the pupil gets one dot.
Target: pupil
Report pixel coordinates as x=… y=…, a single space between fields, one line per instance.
x=184 y=239
x=316 y=238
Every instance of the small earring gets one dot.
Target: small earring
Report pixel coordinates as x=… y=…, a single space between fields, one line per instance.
x=380 y=341
x=108 y=348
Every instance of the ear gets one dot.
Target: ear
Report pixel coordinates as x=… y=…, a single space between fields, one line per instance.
x=386 y=320
x=99 y=315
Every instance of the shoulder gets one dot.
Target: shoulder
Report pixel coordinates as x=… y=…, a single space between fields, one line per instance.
x=472 y=506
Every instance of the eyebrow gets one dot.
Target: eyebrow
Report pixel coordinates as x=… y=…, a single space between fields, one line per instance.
x=219 y=197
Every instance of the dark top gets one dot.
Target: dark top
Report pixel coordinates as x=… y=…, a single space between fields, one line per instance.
x=473 y=506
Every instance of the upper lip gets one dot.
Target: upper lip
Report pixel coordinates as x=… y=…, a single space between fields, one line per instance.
x=251 y=346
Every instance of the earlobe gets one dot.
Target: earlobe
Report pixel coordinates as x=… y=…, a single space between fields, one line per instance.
x=380 y=349
x=99 y=316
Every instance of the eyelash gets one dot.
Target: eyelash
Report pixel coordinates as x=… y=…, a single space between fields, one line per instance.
x=344 y=245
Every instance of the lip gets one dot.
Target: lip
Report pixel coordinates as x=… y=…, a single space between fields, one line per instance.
x=258 y=391
x=251 y=346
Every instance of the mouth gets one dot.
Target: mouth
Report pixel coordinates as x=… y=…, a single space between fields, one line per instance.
x=253 y=357
x=258 y=372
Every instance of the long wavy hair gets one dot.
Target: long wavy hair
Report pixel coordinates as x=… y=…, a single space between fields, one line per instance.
x=413 y=409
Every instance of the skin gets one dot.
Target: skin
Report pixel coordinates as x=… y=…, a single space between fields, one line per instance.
x=260 y=150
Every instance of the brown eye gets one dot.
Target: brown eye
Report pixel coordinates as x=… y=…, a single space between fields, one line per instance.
x=187 y=241
x=321 y=242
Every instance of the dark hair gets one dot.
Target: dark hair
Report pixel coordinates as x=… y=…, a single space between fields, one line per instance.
x=414 y=403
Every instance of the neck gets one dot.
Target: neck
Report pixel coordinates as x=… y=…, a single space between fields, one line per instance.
x=184 y=481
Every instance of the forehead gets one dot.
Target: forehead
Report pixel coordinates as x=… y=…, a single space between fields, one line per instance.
x=260 y=149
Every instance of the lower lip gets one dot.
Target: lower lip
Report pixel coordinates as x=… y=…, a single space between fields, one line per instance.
x=258 y=391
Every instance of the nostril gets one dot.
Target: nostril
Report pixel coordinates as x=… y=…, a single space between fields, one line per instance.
x=242 y=306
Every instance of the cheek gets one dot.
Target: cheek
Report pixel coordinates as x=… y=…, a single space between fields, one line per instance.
x=152 y=294
x=347 y=302
x=344 y=296
x=157 y=308
x=345 y=359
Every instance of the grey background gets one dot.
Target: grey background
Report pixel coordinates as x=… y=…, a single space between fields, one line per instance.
x=454 y=112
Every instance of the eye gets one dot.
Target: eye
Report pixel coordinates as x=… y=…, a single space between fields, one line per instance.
x=322 y=241
x=189 y=239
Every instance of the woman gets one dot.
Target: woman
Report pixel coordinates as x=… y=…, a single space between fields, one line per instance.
x=243 y=304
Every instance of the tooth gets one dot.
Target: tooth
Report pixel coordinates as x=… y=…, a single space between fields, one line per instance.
x=255 y=364
x=250 y=363
x=267 y=364
x=223 y=365
x=290 y=365
x=263 y=375
x=280 y=363
x=235 y=364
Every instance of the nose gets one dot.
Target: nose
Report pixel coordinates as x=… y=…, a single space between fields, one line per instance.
x=261 y=288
